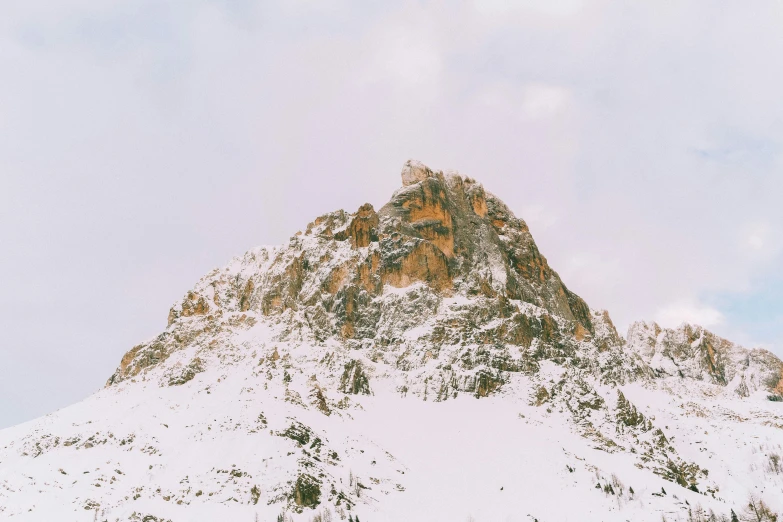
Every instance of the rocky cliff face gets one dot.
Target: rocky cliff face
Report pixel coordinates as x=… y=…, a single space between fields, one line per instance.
x=407 y=363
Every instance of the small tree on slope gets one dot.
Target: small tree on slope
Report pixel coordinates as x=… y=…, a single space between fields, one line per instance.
x=758 y=511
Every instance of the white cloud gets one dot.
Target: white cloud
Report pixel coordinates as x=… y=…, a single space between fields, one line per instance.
x=555 y=8
x=540 y=101
x=406 y=55
x=756 y=240
x=528 y=102
x=674 y=314
x=758 y=237
x=539 y=217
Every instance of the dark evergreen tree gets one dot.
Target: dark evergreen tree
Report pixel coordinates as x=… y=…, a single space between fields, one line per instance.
x=734 y=516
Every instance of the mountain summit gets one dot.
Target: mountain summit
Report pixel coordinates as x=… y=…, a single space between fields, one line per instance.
x=442 y=252
x=418 y=362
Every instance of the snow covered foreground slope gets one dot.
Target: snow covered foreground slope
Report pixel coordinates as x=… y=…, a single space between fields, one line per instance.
x=421 y=362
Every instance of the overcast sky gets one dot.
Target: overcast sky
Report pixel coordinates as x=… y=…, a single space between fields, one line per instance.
x=143 y=143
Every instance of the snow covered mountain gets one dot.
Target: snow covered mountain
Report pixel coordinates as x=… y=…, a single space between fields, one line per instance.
x=421 y=362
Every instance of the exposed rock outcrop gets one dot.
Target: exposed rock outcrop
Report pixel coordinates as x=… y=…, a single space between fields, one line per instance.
x=693 y=352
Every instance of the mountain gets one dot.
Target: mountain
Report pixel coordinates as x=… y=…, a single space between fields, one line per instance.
x=418 y=362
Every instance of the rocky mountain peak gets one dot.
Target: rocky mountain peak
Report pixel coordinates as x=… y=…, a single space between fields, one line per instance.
x=455 y=251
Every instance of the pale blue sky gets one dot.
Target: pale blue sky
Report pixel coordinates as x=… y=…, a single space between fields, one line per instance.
x=143 y=143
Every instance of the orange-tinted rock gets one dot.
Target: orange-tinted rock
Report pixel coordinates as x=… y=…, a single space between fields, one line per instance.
x=486 y=383
x=367 y=273
x=424 y=262
x=336 y=279
x=533 y=266
x=247 y=293
x=350 y=311
x=779 y=386
x=193 y=304
x=711 y=349
x=294 y=276
x=580 y=333
x=425 y=210
x=127 y=359
x=141 y=357
x=363 y=228
x=478 y=201
x=271 y=303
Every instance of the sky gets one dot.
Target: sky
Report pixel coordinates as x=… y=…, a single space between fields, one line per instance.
x=143 y=143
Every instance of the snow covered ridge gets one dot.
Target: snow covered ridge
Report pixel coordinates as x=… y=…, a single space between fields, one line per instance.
x=421 y=362
x=693 y=352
